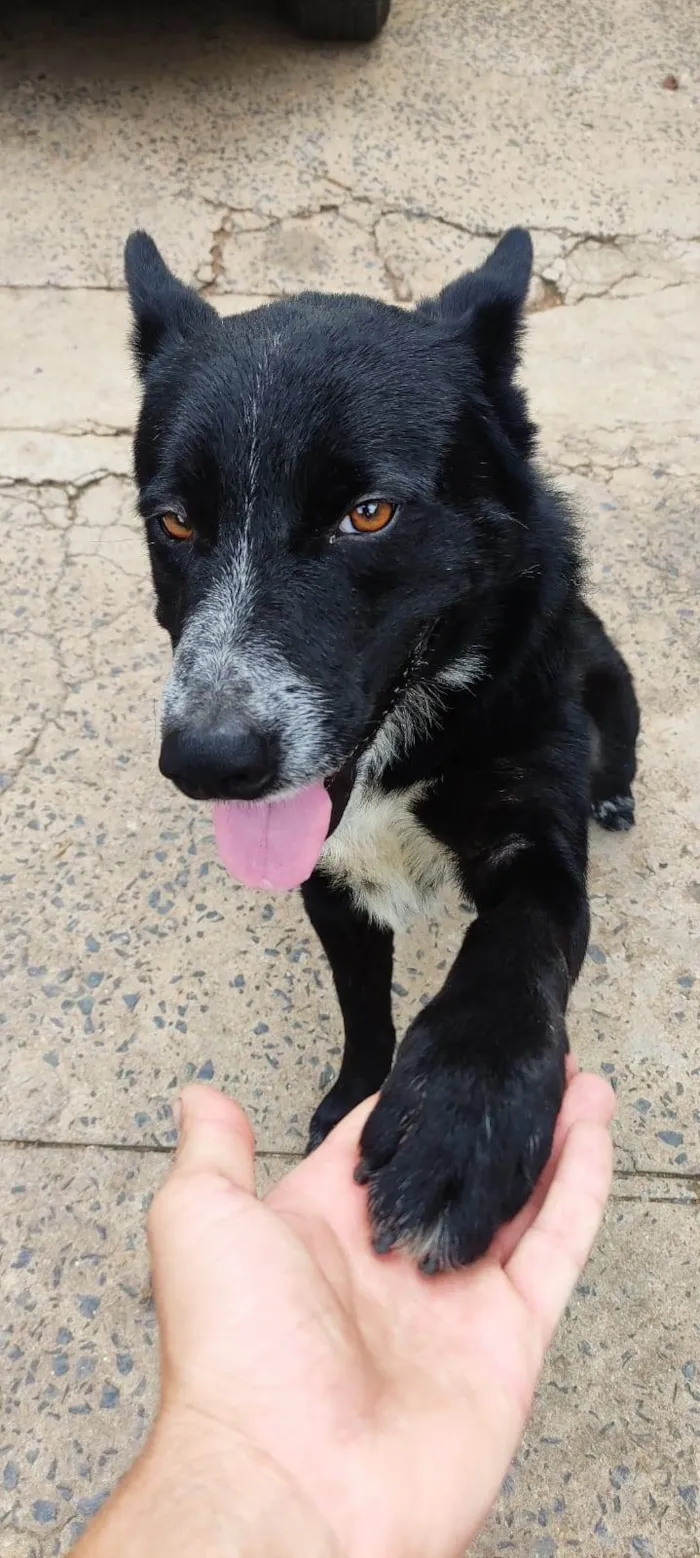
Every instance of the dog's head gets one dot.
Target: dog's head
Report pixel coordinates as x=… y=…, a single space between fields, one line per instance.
x=328 y=486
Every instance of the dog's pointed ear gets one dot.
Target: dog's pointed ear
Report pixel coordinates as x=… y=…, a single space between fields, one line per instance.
x=161 y=305
x=487 y=304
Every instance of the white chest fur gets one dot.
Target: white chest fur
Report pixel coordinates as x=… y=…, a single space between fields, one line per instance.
x=393 y=867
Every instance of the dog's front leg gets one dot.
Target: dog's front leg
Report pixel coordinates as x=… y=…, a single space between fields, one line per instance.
x=361 y=956
x=464 y=1124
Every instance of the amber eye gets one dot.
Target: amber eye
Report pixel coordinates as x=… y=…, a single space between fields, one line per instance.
x=175 y=527
x=367 y=517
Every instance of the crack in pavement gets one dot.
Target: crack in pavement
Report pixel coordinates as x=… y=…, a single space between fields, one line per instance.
x=73 y=430
x=72 y=492
x=308 y=210
x=72 y=488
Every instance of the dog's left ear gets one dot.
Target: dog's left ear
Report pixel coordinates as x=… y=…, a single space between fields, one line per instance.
x=487 y=304
x=163 y=308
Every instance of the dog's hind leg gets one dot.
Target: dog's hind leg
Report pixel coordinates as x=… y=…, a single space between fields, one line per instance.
x=611 y=704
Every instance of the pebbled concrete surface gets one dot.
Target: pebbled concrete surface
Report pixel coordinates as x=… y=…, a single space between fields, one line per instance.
x=130 y=963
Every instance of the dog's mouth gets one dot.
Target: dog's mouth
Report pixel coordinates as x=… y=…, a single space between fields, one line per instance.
x=276 y=844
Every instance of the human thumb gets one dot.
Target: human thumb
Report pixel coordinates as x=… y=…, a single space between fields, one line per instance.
x=215 y=1137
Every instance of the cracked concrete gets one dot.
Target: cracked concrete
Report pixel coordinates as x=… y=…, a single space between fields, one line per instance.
x=130 y=964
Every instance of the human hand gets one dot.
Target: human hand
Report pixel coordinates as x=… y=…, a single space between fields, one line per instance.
x=331 y=1401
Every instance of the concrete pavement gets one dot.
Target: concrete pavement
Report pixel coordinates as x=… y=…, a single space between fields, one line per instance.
x=131 y=964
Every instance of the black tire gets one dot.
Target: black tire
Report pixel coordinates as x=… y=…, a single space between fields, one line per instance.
x=345 y=21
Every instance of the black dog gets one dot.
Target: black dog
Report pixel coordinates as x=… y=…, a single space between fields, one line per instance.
x=385 y=671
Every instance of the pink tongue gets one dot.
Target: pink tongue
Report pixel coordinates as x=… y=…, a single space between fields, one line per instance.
x=273 y=844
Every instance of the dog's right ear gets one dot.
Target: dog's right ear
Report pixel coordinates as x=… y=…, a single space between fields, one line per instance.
x=487 y=304
x=162 y=307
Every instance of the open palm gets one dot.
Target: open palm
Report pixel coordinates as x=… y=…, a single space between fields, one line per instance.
x=390 y=1401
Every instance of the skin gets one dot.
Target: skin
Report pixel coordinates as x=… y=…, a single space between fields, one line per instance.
x=320 y=1400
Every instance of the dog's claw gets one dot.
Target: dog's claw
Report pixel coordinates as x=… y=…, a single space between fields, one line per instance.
x=382 y=1243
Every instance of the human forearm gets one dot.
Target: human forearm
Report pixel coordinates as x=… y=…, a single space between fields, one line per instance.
x=194 y=1492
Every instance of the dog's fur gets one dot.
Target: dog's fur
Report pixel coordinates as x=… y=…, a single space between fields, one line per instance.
x=444 y=676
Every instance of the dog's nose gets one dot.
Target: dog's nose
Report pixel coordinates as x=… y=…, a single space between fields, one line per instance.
x=231 y=762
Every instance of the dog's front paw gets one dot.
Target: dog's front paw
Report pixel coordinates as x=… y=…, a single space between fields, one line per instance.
x=453 y=1149
x=614 y=812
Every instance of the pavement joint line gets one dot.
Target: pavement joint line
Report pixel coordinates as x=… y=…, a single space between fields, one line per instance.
x=164 y=1149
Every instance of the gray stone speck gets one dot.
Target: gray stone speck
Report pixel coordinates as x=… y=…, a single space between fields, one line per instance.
x=326 y=1076
x=89 y=1506
x=10 y=1477
x=671 y=1138
x=23 y=1259
x=131 y=1001
x=206 y=1071
x=125 y=1362
x=88 y=1305
x=260 y=1027
x=596 y=954
x=109 y=1397
x=640 y=1545
x=60 y=1363
x=94 y=979
x=689 y=1495
x=44 y=1511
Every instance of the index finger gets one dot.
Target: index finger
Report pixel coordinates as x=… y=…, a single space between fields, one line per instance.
x=551 y=1255
x=587 y=1097
x=323 y=1183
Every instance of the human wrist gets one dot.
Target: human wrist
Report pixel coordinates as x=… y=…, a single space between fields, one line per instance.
x=199 y=1488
